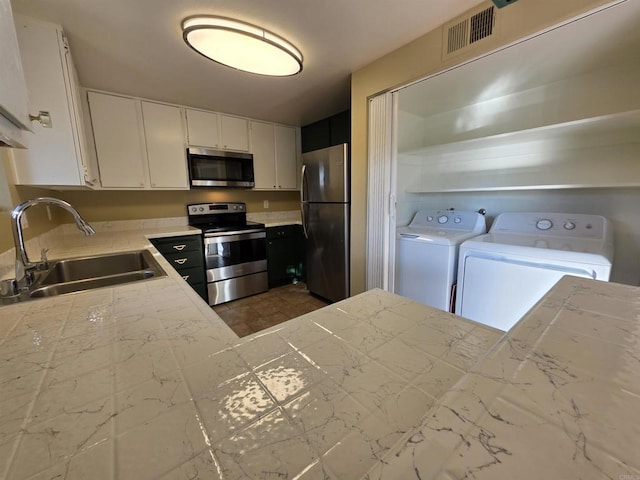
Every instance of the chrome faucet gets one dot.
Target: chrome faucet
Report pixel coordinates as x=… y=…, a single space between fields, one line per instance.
x=23 y=266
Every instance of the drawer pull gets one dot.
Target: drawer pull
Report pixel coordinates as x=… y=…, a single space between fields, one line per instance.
x=179 y=247
x=185 y=277
x=181 y=261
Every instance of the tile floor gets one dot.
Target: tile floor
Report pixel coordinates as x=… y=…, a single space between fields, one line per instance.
x=252 y=314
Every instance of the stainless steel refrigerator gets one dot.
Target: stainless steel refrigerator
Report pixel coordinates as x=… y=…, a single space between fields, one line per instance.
x=325 y=194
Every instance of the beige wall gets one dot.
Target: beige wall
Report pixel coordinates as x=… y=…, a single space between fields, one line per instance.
x=123 y=205
x=38 y=218
x=127 y=205
x=416 y=60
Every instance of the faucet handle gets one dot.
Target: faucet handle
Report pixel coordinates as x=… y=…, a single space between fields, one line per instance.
x=44 y=262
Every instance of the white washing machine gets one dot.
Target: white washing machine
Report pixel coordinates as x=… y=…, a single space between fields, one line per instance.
x=504 y=273
x=427 y=254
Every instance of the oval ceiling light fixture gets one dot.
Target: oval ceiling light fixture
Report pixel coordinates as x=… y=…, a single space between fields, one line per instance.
x=241 y=46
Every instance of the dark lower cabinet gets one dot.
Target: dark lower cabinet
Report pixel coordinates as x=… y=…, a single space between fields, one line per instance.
x=285 y=255
x=186 y=255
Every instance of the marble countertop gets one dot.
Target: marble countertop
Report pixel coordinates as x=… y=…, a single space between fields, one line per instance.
x=557 y=397
x=145 y=381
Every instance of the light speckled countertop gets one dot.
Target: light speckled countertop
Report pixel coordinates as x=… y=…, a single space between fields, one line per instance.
x=145 y=381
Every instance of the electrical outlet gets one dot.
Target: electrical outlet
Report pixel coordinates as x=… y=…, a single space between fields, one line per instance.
x=265 y=204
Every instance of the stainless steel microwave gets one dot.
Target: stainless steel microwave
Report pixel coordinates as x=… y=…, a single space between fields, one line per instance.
x=216 y=168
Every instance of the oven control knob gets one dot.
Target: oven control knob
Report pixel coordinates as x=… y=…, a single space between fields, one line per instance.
x=201 y=209
x=241 y=207
x=544 y=224
x=443 y=219
x=457 y=220
x=235 y=207
x=569 y=225
x=194 y=209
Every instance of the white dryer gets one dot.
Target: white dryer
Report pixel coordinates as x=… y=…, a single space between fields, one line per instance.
x=427 y=254
x=504 y=273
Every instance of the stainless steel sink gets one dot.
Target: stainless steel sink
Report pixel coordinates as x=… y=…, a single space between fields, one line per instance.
x=77 y=274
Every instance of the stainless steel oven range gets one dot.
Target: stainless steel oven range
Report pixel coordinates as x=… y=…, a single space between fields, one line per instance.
x=235 y=250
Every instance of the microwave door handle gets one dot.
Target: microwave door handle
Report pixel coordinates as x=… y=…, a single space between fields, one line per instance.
x=302 y=202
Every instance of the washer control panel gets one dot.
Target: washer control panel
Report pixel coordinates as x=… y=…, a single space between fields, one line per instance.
x=457 y=220
x=556 y=224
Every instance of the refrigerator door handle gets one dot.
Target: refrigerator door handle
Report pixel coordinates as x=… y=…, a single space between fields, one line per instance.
x=302 y=202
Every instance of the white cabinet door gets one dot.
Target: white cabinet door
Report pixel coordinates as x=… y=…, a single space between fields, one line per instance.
x=275 y=156
x=213 y=130
x=118 y=139
x=55 y=153
x=234 y=133
x=166 y=153
x=13 y=92
x=203 y=129
x=286 y=158
x=263 y=147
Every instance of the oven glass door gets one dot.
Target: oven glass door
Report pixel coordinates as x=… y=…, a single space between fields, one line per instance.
x=234 y=255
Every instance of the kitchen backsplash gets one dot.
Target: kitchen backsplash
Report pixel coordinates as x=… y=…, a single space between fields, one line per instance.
x=274 y=219
x=36 y=244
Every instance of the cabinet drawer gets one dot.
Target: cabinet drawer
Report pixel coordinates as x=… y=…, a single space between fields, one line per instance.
x=183 y=260
x=169 y=245
x=285 y=231
x=192 y=275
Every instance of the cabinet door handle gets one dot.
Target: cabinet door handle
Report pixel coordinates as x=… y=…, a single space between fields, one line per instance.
x=179 y=247
x=180 y=261
x=44 y=118
x=185 y=277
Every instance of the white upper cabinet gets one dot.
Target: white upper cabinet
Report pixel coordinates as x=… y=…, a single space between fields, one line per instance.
x=234 y=133
x=139 y=144
x=119 y=141
x=287 y=157
x=56 y=153
x=214 y=130
x=14 y=114
x=275 y=151
x=263 y=147
x=166 y=149
x=203 y=128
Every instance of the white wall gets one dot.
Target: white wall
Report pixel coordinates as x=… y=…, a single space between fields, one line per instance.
x=620 y=206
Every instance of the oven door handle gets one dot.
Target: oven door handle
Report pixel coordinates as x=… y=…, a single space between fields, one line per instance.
x=234 y=236
x=238 y=232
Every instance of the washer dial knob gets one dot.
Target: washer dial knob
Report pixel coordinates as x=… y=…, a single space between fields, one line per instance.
x=443 y=219
x=569 y=225
x=544 y=224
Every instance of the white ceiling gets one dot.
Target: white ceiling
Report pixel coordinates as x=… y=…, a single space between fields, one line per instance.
x=135 y=47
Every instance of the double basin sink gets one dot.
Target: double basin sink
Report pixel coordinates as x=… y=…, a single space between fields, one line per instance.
x=85 y=273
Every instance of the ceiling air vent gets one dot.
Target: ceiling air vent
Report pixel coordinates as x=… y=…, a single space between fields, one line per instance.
x=463 y=32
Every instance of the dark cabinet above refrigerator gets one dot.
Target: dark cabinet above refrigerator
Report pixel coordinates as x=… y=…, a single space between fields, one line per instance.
x=328 y=132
